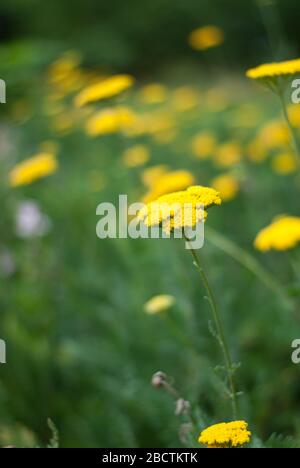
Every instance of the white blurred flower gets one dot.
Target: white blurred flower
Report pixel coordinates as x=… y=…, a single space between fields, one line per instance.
x=7 y=264
x=30 y=221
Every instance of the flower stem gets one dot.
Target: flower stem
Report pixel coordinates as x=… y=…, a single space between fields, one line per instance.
x=250 y=263
x=220 y=333
x=293 y=134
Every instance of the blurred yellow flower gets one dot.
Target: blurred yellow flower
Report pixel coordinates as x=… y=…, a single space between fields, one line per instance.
x=206 y=37
x=153 y=93
x=294 y=115
x=111 y=120
x=274 y=134
x=64 y=74
x=227 y=185
x=136 y=156
x=185 y=98
x=180 y=209
x=270 y=70
x=104 y=89
x=226 y=435
x=32 y=169
x=159 y=303
x=151 y=174
x=204 y=145
x=257 y=151
x=282 y=234
x=284 y=163
x=169 y=182
x=228 y=154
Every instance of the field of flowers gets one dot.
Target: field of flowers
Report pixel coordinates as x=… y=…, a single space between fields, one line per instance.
x=136 y=342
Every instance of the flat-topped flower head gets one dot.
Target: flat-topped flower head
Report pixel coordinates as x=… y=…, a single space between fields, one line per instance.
x=270 y=70
x=179 y=210
x=226 y=435
x=282 y=234
x=104 y=89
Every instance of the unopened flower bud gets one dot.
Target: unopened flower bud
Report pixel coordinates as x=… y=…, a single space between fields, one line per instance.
x=158 y=379
x=182 y=407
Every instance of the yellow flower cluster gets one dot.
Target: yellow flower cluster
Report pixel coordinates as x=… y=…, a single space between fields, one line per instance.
x=167 y=183
x=111 y=120
x=270 y=70
x=282 y=234
x=226 y=435
x=206 y=37
x=180 y=209
x=104 y=89
x=32 y=169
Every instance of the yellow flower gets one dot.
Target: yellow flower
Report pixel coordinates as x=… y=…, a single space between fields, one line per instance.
x=206 y=37
x=111 y=120
x=185 y=98
x=204 y=145
x=226 y=435
x=169 y=182
x=136 y=156
x=228 y=154
x=180 y=209
x=227 y=185
x=256 y=151
x=64 y=74
x=32 y=169
x=159 y=303
x=274 y=134
x=270 y=70
x=282 y=234
x=284 y=163
x=154 y=93
x=151 y=174
x=104 y=89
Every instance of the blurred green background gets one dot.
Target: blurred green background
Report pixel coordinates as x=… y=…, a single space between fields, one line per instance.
x=149 y=35
x=81 y=350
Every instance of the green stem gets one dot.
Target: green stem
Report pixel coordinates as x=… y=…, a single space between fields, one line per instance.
x=294 y=137
x=248 y=261
x=220 y=333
